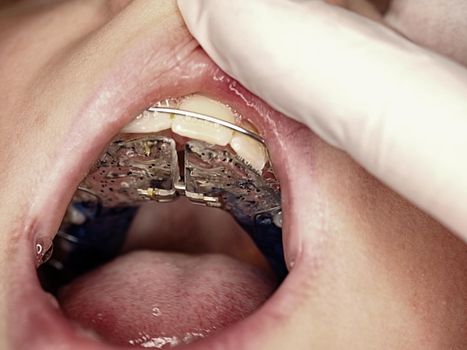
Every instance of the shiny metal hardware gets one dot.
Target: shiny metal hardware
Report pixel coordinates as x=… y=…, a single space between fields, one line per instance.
x=207 y=118
x=151 y=167
x=137 y=168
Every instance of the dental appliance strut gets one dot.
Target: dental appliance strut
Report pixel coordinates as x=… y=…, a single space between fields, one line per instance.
x=137 y=169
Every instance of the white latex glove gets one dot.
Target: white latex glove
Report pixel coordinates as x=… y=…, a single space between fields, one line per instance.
x=396 y=108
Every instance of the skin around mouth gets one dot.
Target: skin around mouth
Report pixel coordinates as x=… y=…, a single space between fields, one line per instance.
x=194 y=73
x=366 y=266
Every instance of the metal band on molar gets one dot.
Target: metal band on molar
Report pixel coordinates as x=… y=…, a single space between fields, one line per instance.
x=89 y=236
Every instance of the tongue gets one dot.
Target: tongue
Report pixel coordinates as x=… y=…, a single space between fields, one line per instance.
x=154 y=299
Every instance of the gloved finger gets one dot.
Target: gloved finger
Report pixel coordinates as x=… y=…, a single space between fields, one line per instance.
x=369 y=8
x=396 y=108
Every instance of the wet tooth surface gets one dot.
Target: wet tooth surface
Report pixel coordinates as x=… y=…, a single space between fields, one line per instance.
x=149 y=122
x=203 y=130
x=249 y=149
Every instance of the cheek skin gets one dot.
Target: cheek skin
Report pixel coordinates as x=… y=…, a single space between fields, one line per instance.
x=45 y=72
x=390 y=269
x=392 y=277
x=47 y=77
x=440 y=25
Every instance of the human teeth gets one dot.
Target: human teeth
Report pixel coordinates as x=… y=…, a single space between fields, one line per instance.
x=149 y=122
x=200 y=129
x=250 y=150
x=247 y=148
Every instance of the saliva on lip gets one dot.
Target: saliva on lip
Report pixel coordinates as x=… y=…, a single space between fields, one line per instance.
x=43 y=251
x=210 y=165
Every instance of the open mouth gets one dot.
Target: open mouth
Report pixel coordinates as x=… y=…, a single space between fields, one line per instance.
x=192 y=296
x=360 y=265
x=129 y=290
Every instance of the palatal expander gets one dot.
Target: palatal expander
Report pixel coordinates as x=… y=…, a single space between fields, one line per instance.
x=214 y=162
x=145 y=162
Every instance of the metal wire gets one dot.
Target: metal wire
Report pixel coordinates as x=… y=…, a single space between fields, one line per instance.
x=208 y=118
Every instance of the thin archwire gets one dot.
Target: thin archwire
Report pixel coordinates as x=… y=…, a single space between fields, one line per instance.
x=208 y=118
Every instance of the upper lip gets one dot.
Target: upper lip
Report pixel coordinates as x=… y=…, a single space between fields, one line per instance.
x=99 y=121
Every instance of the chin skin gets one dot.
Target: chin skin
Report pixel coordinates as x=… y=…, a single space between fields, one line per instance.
x=378 y=273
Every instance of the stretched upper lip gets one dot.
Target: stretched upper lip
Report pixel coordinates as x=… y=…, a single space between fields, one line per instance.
x=92 y=127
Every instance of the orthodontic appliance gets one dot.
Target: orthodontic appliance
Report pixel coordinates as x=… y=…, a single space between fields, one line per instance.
x=137 y=168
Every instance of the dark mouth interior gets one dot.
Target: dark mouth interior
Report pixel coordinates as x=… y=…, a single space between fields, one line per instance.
x=196 y=265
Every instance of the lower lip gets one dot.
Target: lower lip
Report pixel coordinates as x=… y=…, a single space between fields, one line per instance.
x=42 y=324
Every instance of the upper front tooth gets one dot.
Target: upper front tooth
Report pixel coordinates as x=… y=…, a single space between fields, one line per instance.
x=149 y=122
x=250 y=150
x=201 y=129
